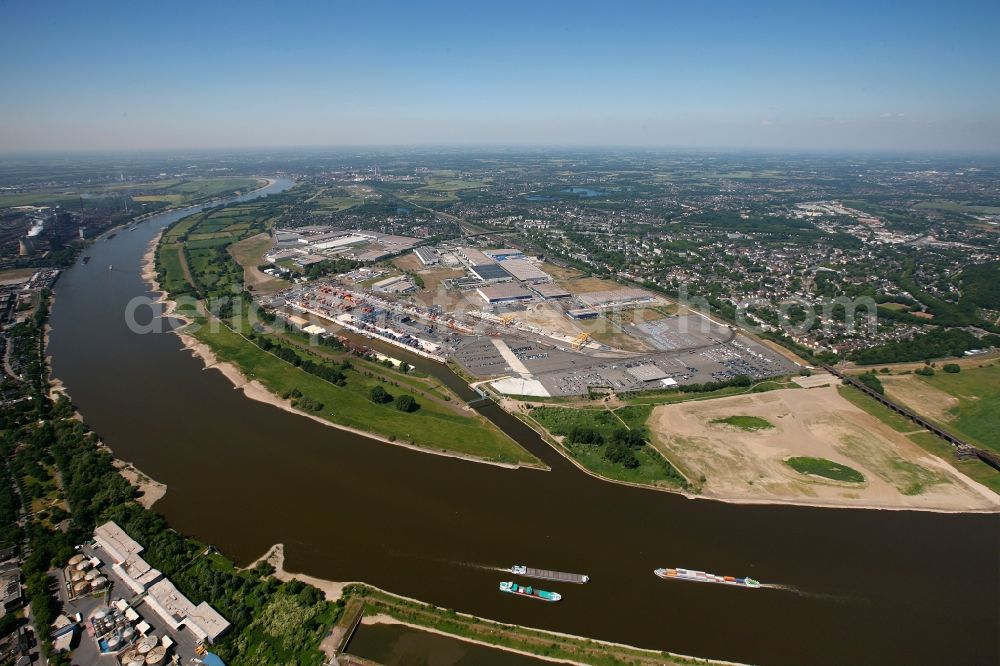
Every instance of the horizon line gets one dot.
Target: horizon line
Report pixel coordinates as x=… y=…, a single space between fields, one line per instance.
x=676 y=148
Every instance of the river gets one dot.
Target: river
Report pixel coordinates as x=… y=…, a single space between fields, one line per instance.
x=857 y=586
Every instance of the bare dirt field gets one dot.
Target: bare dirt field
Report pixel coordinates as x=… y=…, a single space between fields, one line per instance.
x=587 y=285
x=736 y=464
x=920 y=396
x=432 y=292
x=560 y=273
x=816 y=380
x=548 y=318
x=615 y=335
x=408 y=262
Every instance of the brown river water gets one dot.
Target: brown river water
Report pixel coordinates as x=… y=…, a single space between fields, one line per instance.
x=852 y=586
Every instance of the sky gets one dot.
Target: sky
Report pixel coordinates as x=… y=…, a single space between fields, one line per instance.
x=874 y=76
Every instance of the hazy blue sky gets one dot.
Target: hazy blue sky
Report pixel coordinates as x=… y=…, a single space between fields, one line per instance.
x=150 y=74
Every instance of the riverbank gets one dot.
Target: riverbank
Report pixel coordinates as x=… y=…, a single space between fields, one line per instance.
x=750 y=465
x=384 y=607
x=207 y=345
x=268 y=182
x=275 y=557
x=943 y=488
x=150 y=490
x=395 y=609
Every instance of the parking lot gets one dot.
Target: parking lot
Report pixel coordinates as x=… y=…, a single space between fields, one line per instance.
x=684 y=332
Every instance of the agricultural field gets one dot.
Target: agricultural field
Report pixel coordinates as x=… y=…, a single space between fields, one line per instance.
x=445 y=184
x=958 y=207
x=338 y=199
x=172 y=192
x=713 y=441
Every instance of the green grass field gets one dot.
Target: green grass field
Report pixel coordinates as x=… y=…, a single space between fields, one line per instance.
x=433 y=426
x=44 y=198
x=173 y=279
x=668 y=397
x=212 y=187
x=958 y=207
x=898 y=307
x=977 y=416
x=747 y=423
x=895 y=421
x=825 y=468
x=653 y=468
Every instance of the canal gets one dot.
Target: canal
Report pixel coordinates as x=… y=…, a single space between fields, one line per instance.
x=852 y=586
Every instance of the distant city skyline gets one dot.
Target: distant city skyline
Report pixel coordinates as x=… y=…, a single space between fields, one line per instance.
x=758 y=76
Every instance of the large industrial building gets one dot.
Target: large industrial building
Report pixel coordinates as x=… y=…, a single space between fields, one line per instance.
x=504 y=293
x=359 y=244
x=474 y=256
x=627 y=296
x=524 y=270
x=504 y=254
x=160 y=594
x=427 y=256
x=490 y=273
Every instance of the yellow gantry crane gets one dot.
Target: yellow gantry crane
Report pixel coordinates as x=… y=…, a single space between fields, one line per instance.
x=580 y=341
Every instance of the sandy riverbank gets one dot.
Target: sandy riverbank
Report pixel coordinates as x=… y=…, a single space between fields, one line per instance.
x=275 y=556
x=977 y=498
x=151 y=490
x=749 y=466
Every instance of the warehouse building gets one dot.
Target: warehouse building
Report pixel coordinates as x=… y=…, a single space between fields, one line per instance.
x=582 y=313
x=612 y=298
x=474 y=256
x=504 y=293
x=178 y=611
x=125 y=560
x=491 y=273
x=525 y=271
x=397 y=284
x=122 y=553
x=427 y=256
x=505 y=254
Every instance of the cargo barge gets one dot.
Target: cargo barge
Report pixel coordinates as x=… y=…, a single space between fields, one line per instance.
x=546 y=574
x=511 y=587
x=702 y=577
